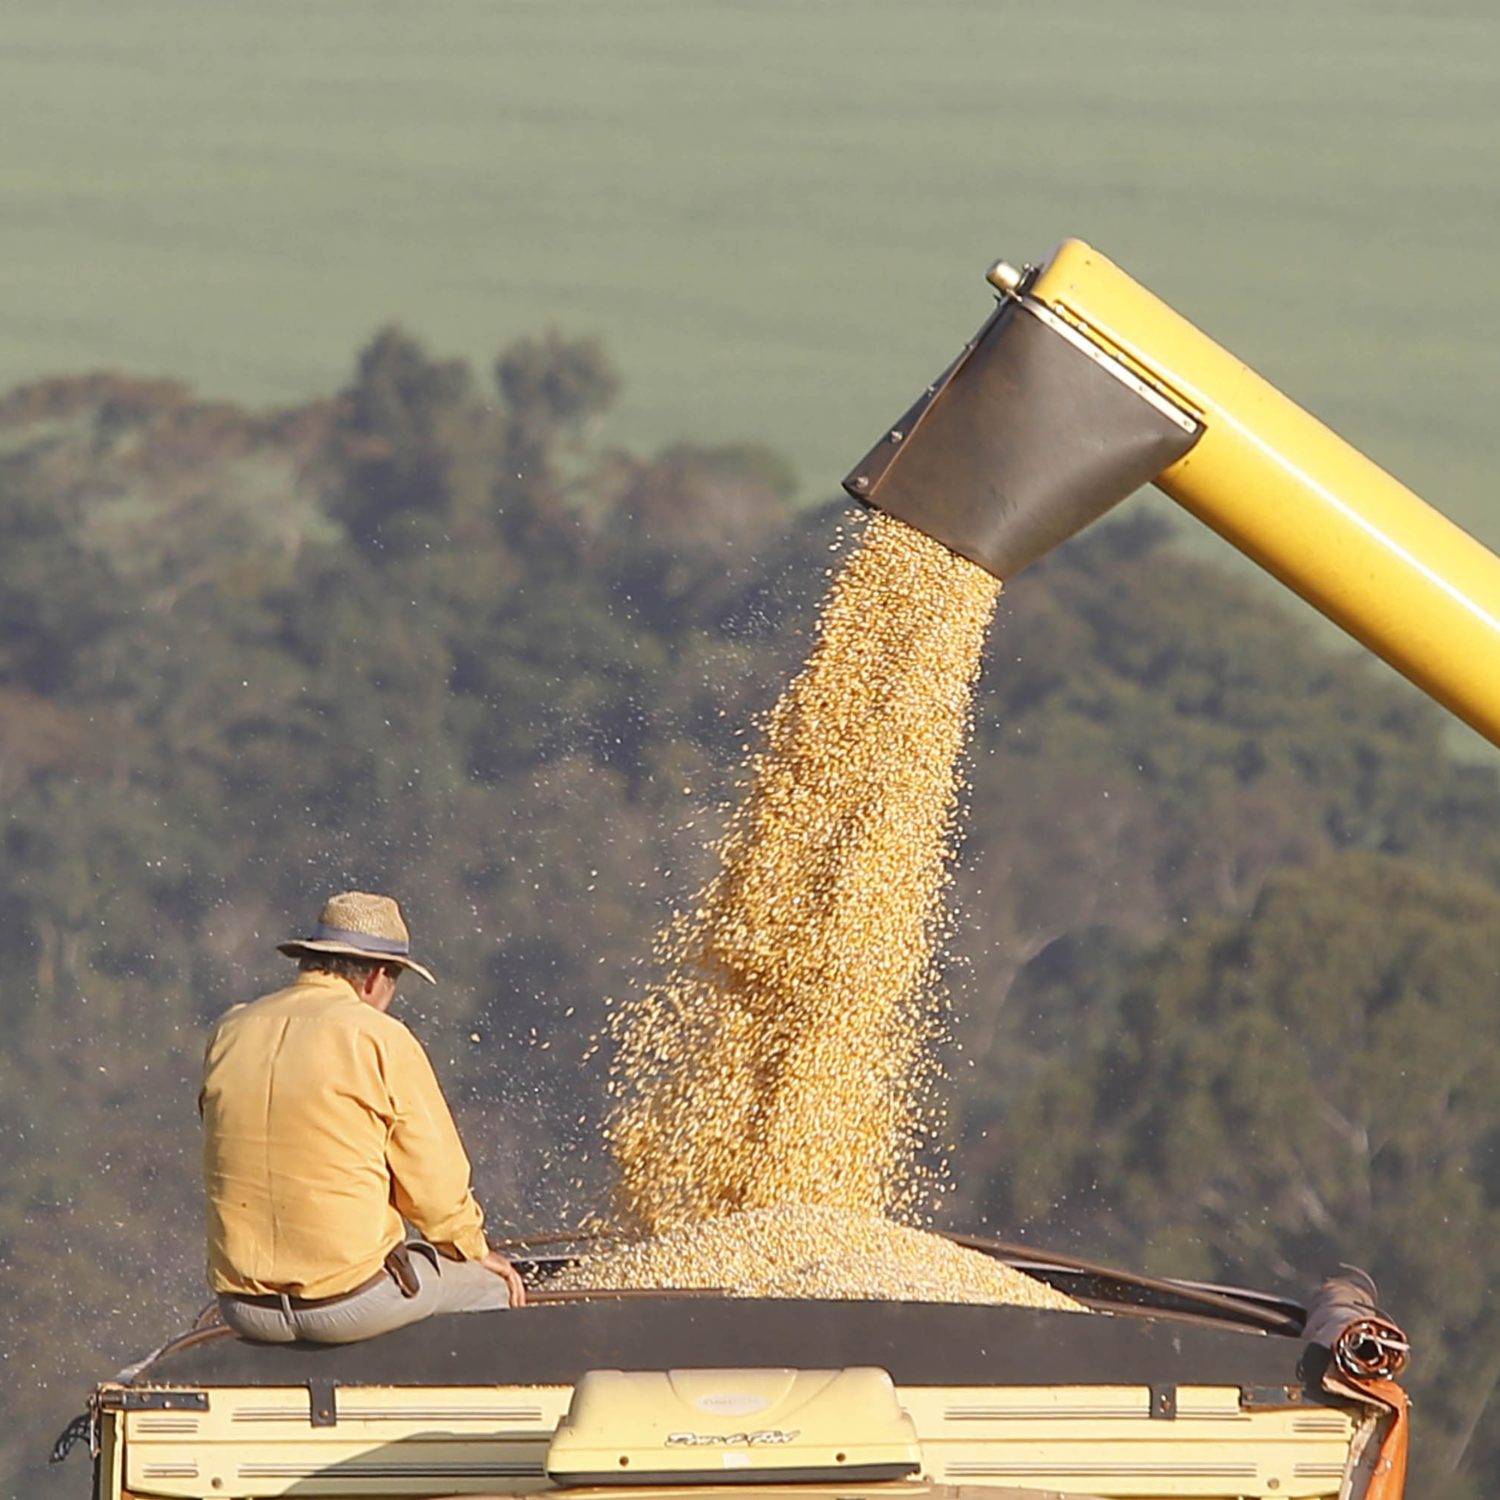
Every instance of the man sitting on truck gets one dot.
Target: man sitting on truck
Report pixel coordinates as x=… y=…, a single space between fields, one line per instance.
x=324 y=1126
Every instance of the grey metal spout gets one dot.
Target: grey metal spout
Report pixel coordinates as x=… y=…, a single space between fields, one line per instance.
x=1028 y=436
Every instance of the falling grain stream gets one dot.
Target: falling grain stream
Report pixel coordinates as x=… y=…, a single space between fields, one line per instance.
x=770 y=1095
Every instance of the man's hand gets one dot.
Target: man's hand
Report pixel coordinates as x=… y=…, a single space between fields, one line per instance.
x=494 y=1261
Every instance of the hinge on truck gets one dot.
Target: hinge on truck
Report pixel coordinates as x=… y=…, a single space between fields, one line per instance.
x=1164 y=1402
x=325 y=1403
x=156 y=1400
x=1270 y=1397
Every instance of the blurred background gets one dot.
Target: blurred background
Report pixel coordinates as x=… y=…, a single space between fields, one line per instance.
x=419 y=438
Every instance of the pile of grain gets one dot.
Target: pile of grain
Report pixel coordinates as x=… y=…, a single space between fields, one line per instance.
x=785 y=1057
x=811 y=1252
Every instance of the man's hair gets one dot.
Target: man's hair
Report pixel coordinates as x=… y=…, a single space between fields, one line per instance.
x=342 y=966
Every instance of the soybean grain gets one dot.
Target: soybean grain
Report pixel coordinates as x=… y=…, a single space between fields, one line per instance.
x=786 y=1056
x=801 y=1251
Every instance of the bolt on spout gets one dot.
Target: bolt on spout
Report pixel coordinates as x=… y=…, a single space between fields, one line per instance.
x=1004 y=277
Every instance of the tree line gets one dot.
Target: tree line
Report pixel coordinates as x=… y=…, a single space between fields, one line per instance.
x=1228 y=910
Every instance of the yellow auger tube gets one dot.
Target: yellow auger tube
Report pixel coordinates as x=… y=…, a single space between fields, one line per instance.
x=1330 y=524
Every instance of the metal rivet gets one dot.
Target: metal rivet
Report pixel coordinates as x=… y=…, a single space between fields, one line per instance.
x=860 y=482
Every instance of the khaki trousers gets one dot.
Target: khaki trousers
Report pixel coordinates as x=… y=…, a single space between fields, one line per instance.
x=443 y=1286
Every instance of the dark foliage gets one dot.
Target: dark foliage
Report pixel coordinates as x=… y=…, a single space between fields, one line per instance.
x=1227 y=904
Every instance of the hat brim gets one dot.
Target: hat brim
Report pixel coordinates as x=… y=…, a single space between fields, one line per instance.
x=299 y=946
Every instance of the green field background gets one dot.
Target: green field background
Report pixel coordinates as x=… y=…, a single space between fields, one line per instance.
x=776 y=214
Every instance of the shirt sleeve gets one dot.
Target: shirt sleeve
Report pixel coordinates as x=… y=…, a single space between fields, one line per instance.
x=429 y=1168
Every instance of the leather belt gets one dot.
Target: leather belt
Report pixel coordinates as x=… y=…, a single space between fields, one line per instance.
x=302 y=1304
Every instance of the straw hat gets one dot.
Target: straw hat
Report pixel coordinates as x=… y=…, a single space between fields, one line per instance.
x=360 y=925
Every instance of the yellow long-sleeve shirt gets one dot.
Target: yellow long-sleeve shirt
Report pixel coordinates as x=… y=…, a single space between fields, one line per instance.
x=323 y=1126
